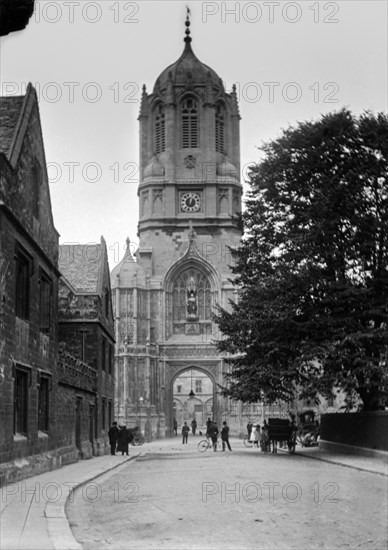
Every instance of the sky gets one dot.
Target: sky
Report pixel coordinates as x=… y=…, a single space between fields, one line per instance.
x=290 y=61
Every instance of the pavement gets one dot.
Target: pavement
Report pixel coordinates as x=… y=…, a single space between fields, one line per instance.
x=33 y=511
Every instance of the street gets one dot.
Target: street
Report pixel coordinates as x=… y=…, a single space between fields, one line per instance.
x=174 y=497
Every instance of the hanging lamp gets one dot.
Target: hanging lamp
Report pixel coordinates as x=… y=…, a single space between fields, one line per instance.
x=191 y=394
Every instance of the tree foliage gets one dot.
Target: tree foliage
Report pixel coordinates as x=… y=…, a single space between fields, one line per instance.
x=312 y=267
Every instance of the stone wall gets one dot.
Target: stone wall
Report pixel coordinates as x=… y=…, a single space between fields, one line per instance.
x=348 y=431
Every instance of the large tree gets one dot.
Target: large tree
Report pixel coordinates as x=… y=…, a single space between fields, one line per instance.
x=312 y=267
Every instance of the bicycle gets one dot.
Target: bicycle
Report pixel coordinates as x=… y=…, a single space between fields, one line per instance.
x=206 y=444
x=247 y=441
x=137 y=439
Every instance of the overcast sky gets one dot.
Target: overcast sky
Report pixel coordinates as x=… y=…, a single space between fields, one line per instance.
x=291 y=61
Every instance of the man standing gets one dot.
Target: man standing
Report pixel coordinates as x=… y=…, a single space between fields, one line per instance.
x=213 y=434
x=113 y=435
x=208 y=425
x=185 y=432
x=225 y=436
x=193 y=425
x=249 y=429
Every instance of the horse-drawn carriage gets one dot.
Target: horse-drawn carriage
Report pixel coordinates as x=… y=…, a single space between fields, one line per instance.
x=280 y=430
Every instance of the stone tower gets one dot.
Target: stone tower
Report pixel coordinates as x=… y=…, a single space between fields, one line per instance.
x=189 y=196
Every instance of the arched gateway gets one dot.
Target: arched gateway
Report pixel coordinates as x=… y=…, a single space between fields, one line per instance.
x=189 y=195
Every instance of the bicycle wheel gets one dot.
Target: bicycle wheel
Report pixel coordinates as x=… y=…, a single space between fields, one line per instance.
x=247 y=443
x=203 y=446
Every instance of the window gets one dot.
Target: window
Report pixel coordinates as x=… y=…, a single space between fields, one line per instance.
x=22 y=283
x=21 y=383
x=36 y=177
x=103 y=354
x=194 y=282
x=189 y=112
x=106 y=302
x=179 y=389
x=198 y=386
x=44 y=302
x=159 y=130
x=43 y=403
x=220 y=127
x=110 y=358
x=103 y=413
x=110 y=409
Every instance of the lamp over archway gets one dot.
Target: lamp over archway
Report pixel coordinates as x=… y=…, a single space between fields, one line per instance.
x=191 y=394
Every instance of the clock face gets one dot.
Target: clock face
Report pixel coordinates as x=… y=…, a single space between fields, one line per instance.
x=190 y=202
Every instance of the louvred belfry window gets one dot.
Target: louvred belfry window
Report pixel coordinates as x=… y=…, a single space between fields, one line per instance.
x=189 y=110
x=220 y=130
x=159 y=130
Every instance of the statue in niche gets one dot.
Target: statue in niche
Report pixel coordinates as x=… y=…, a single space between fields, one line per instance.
x=192 y=308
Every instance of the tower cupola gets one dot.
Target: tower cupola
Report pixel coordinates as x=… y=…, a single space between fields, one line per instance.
x=189 y=147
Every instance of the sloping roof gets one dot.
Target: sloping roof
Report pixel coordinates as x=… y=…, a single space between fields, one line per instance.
x=10 y=109
x=82 y=265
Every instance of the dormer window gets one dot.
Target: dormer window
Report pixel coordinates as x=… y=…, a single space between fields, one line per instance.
x=220 y=130
x=189 y=113
x=159 y=130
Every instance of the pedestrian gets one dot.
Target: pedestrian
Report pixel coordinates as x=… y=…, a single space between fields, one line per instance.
x=175 y=427
x=208 y=425
x=193 y=425
x=113 y=435
x=213 y=434
x=185 y=432
x=124 y=438
x=249 y=429
x=254 y=436
x=225 y=436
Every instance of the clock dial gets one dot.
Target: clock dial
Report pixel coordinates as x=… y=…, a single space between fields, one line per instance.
x=190 y=202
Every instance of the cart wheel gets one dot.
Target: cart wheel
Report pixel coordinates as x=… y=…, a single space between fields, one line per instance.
x=203 y=446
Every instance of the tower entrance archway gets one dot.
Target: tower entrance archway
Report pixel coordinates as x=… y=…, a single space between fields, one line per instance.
x=204 y=401
x=193 y=398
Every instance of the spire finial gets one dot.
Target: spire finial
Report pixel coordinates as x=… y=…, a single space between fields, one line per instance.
x=128 y=242
x=187 y=38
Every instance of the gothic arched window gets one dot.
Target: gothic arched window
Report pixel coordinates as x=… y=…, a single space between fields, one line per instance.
x=159 y=130
x=189 y=113
x=220 y=129
x=191 y=297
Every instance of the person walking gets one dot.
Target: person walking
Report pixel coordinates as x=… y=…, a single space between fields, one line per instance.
x=254 y=437
x=123 y=440
x=225 y=436
x=175 y=425
x=113 y=435
x=185 y=432
x=193 y=426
